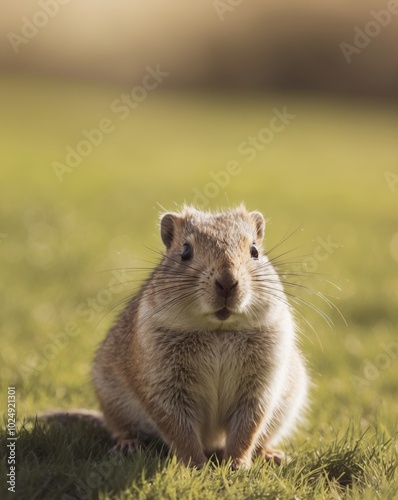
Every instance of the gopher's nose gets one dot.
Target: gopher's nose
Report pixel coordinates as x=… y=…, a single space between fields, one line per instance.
x=226 y=284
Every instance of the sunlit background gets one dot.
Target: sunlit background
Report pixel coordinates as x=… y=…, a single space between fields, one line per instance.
x=114 y=111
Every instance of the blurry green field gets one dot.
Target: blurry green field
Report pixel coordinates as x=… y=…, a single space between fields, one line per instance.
x=60 y=242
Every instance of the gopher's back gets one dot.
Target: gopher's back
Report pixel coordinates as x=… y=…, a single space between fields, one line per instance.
x=115 y=375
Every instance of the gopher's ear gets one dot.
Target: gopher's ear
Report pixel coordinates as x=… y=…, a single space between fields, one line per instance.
x=259 y=224
x=168 y=225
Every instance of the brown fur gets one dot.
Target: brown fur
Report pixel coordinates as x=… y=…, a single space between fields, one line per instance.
x=204 y=357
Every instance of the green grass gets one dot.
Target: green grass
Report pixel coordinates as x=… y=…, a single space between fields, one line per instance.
x=60 y=242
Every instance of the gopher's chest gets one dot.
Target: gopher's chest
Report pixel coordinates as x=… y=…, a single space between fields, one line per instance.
x=226 y=371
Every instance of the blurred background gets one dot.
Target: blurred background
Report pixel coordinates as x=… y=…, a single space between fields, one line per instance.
x=212 y=44
x=112 y=112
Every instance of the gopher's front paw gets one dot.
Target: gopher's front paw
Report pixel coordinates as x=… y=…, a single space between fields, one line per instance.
x=274 y=455
x=127 y=446
x=240 y=463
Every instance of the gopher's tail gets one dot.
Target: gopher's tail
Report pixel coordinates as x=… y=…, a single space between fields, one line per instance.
x=66 y=417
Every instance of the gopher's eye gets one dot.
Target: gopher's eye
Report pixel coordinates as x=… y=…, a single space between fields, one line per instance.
x=254 y=252
x=186 y=252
